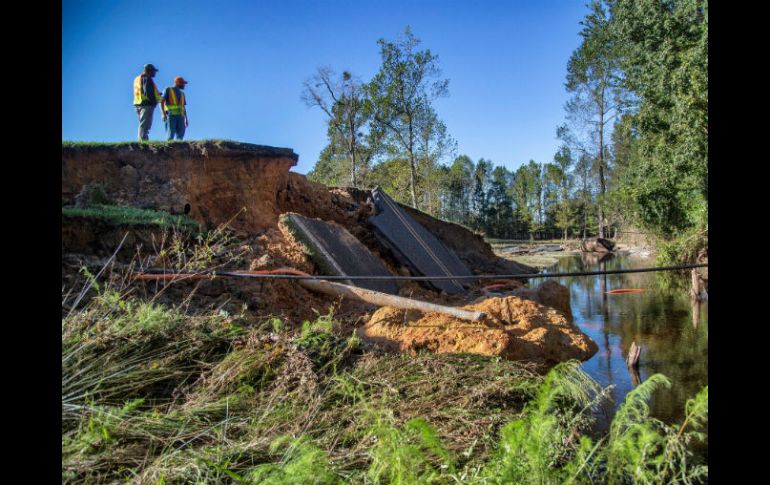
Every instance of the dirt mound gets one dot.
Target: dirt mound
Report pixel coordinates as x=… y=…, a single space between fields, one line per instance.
x=515 y=328
x=550 y=294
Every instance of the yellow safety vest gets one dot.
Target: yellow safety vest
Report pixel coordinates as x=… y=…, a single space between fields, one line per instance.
x=139 y=97
x=175 y=106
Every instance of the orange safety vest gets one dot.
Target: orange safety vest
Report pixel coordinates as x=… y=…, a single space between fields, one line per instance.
x=175 y=106
x=139 y=96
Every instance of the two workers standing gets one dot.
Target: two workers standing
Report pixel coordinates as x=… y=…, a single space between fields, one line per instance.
x=172 y=104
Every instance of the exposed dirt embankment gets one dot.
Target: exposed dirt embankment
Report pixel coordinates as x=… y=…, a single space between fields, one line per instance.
x=212 y=181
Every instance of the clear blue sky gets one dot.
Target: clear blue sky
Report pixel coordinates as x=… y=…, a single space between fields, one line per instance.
x=246 y=61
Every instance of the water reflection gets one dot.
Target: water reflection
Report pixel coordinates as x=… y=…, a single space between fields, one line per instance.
x=671 y=330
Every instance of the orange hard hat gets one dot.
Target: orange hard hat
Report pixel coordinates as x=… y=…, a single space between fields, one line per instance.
x=180 y=80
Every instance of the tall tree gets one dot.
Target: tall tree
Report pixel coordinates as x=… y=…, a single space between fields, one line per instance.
x=665 y=60
x=434 y=144
x=585 y=197
x=342 y=100
x=481 y=178
x=562 y=179
x=458 y=185
x=594 y=80
x=499 y=203
x=522 y=189
x=401 y=93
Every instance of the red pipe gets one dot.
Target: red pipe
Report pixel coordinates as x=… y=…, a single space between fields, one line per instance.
x=198 y=276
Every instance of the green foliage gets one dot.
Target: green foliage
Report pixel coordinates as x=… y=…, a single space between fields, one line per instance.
x=385 y=132
x=410 y=455
x=544 y=445
x=67 y=144
x=664 y=54
x=302 y=464
x=98 y=428
x=94 y=194
x=130 y=216
x=684 y=249
x=153 y=395
x=642 y=449
x=348 y=113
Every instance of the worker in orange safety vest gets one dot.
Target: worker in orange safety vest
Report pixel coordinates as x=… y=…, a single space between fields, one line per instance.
x=174 y=109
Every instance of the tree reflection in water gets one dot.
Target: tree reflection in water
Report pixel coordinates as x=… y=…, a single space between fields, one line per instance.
x=670 y=328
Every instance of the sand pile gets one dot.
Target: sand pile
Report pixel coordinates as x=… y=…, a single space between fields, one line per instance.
x=515 y=328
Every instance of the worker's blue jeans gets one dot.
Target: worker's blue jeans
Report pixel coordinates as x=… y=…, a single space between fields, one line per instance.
x=175 y=127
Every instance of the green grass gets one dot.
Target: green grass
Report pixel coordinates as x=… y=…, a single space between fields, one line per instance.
x=154 y=394
x=130 y=216
x=152 y=143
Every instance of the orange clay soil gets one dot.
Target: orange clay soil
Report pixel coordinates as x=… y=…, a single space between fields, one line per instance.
x=515 y=328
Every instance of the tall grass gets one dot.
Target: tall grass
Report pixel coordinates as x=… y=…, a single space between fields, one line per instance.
x=155 y=394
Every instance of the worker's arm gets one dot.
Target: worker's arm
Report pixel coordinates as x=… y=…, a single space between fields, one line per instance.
x=163 y=105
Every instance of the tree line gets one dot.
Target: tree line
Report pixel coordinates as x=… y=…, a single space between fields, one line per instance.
x=634 y=145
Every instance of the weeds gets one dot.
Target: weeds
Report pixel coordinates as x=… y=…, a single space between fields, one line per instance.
x=683 y=249
x=154 y=394
x=129 y=216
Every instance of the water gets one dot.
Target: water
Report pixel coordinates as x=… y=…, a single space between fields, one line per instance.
x=660 y=320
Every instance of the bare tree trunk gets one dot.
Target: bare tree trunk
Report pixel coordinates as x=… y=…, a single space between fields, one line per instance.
x=412 y=169
x=412 y=179
x=602 y=186
x=353 y=156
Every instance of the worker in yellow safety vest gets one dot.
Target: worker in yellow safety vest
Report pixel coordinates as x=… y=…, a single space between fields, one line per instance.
x=146 y=97
x=173 y=106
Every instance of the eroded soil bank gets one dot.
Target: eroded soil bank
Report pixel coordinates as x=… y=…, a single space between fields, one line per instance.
x=213 y=181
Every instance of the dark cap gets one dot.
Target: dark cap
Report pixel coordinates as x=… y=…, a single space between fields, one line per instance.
x=150 y=67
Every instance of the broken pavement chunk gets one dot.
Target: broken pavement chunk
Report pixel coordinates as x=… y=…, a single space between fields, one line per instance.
x=337 y=252
x=415 y=246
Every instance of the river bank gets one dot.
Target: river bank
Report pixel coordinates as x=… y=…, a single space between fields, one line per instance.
x=545 y=254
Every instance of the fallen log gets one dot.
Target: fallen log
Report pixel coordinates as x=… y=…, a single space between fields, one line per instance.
x=547 y=248
x=384 y=299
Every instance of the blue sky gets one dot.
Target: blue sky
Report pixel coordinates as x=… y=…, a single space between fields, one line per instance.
x=246 y=61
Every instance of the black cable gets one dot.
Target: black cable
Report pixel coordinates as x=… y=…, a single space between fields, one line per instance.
x=428 y=278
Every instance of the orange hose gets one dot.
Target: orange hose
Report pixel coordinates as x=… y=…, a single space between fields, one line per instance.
x=275 y=271
x=498 y=285
x=195 y=276
x=627 y=290
x=177 y=276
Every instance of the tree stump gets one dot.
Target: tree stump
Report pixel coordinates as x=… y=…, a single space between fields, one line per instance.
x=697 y=293
x=632 y=360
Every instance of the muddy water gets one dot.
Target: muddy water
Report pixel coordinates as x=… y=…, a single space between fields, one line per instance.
x=672 y=334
